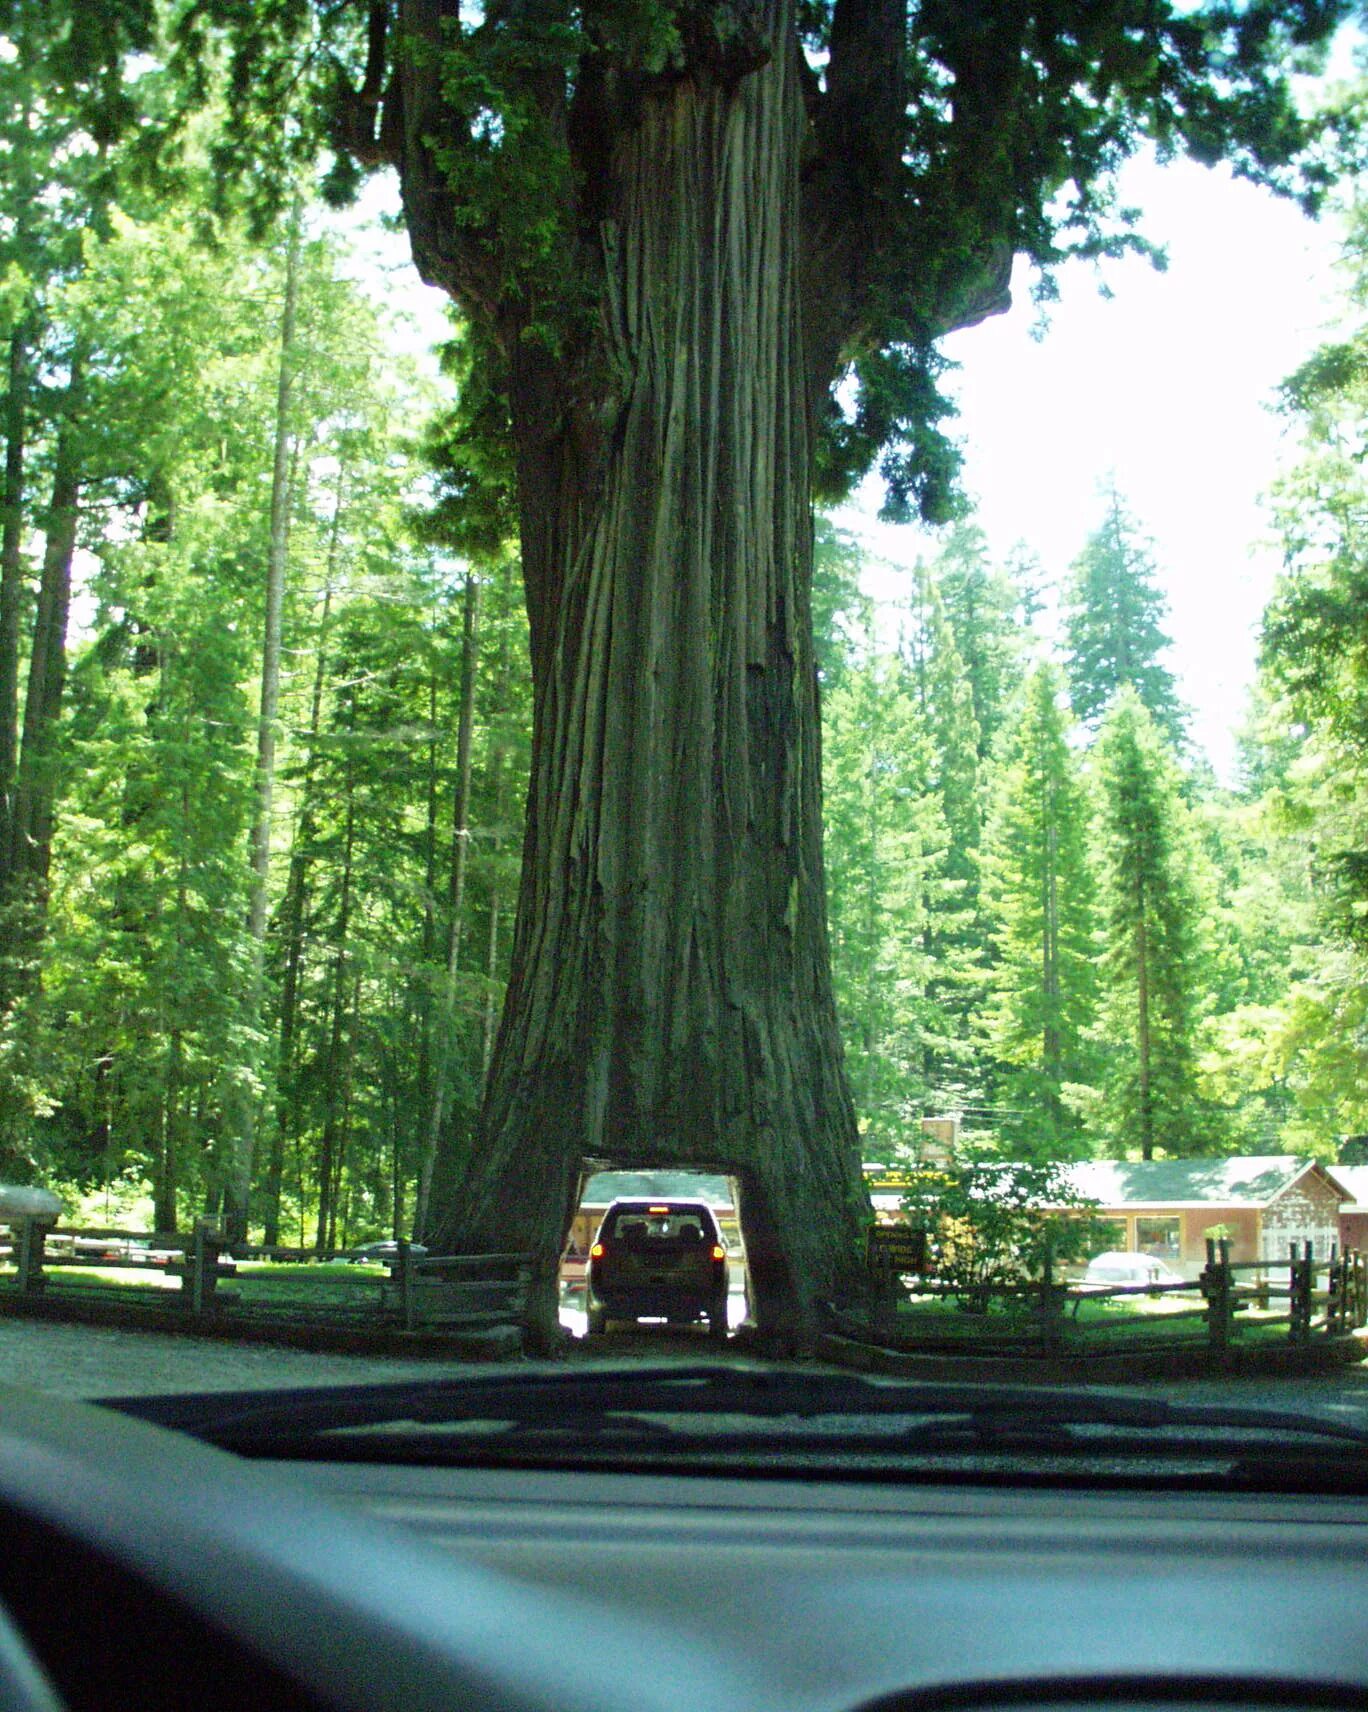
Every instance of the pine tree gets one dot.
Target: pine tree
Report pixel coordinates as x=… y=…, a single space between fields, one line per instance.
x=981 y=604
x=886 y=845
x=1113 y=626
x=953 y=937
x=1152 y=968
x=1038 y=895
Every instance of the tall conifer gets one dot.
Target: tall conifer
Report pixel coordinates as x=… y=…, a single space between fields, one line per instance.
x=1152 y=965
x=1114 y=625
x=1038 y=895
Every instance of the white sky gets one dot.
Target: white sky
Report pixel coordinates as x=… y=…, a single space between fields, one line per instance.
x=1167 y=384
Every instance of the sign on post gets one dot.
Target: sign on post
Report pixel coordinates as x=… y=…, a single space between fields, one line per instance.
x=897 y=1248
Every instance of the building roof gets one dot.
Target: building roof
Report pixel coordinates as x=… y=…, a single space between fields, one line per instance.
x=1355 y=1181
x=606 y=1186
x=1249 y=1180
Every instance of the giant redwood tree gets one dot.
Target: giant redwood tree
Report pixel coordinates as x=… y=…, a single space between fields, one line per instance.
x=675 y=227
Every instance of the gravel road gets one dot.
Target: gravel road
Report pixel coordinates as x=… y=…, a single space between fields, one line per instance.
x=100 y=1361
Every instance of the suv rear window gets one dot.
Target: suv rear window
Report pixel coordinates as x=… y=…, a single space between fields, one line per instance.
x=669 y=1230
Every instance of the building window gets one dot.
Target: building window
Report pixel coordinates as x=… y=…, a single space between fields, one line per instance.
x=1163 y=1238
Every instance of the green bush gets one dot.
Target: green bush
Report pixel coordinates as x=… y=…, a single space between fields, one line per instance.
x=994 y=1226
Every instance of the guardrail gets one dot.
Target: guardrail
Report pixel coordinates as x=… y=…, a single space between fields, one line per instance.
x=421 y=1292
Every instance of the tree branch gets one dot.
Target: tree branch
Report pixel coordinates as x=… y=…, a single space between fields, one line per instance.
x=851 y=187
x=354 y=128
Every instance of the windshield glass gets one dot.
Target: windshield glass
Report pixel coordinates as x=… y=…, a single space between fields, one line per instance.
x=618 y=753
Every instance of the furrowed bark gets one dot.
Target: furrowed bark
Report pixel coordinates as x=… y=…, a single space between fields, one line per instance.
x=670 y=1000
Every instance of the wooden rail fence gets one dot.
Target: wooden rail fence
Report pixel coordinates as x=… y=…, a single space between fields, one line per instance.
x=457 y=1293
x=1327 y=1298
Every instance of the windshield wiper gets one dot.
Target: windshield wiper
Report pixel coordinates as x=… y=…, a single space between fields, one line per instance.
x=730 y=1415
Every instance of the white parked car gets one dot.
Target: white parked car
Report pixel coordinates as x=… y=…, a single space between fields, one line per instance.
x=1105 y=1270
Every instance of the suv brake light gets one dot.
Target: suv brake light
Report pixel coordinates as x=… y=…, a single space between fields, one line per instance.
x=719 y=1253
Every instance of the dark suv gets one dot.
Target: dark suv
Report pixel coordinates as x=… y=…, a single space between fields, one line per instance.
x=659 y=1259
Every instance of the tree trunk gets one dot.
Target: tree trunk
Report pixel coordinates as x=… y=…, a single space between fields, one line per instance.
x=490 y=1015
x=1052 y=1051
x=424 y=1003
x=293 y=914
x=11 y=584
x=460 y=846
x=670 y=999
x=334 y=1131
x=237 y=1185
x=344 y=1172
x=1142 y=1023
x=491 y=1012
x=167 y=1176
x=35 y=793
x=166 y=1181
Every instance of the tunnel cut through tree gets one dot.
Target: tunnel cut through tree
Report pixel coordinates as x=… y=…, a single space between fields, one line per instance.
x=674 y=226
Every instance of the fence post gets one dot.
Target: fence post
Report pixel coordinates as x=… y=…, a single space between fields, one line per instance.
x=196 y=1278
x=406 y=1284
x=1215 y=1286
x=32 y=1235
x=1334 y=1294
x=1051 y=1304
x=1299 y=1308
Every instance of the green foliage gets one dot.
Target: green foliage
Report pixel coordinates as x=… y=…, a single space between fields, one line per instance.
x=886 y=853
x=992 y=1225
x=122 y=1065
x=1315 y=638
x=1114 y=614
x=1153 y=968
x=981 y=606
x=841 y=614
x=1309 y=750
x=518 y=110
x=470 y=449
x=954 y=937
x=1038 y=893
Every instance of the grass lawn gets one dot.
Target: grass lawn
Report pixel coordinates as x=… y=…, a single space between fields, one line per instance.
x=1163 y=1318
x=277 y=1288
x=257 y=1282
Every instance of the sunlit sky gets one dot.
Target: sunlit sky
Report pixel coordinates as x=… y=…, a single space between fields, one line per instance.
x=1166 y=385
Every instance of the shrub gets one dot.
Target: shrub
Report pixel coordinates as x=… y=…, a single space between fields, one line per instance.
x=993 y=1225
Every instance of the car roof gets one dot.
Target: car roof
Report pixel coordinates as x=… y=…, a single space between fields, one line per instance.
x=650 y=1204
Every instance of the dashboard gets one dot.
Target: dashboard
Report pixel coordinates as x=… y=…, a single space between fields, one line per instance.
x=141 y=1568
